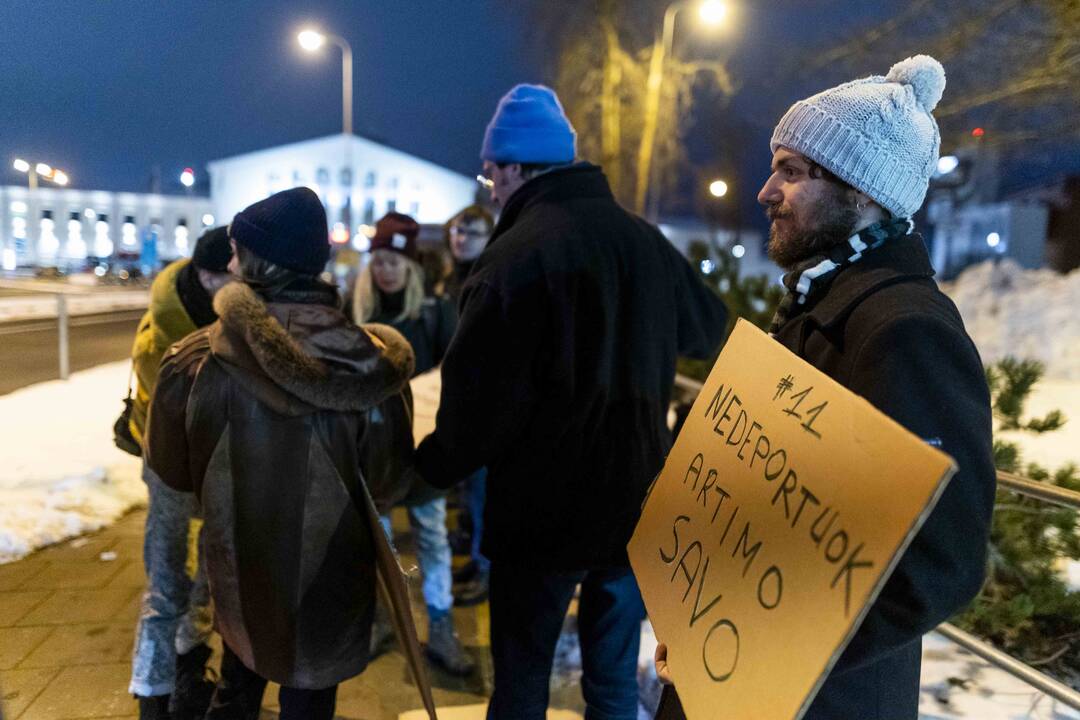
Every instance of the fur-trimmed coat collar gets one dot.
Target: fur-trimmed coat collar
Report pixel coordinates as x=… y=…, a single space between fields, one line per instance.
x=312 y=352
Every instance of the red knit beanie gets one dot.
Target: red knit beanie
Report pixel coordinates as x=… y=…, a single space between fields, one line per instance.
x=397 y=232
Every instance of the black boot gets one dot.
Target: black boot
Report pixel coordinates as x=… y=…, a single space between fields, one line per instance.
x=155 y=707
x=444 y=649
x=473 y=592
x=194 y=688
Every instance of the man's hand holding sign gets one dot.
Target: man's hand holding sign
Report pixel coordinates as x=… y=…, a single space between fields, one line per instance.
x=776 y=520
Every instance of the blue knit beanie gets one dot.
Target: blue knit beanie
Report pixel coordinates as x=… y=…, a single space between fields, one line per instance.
x=288 y=229
x=530 y=127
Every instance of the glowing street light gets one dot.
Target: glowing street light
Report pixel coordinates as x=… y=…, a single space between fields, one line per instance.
x=60 y=177
x=946 y=164
x=718 y=188
x=710 y=12
x=43 y=170
x=21 y=165
x=312 y=40
x=187 y=178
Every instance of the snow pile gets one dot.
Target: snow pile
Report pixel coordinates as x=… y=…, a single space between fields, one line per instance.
x=61 y=475
x=1029 y=314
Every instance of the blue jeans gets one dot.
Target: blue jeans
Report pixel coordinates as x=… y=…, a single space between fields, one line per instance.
x=176 y=614
x=527 y=613
x=475 y=491
x=428 y=521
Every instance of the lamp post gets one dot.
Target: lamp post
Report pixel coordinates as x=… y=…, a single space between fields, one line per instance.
x=711 y=12
x=312 y=40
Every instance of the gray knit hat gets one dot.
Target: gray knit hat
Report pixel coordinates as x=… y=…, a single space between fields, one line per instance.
x=876 y=134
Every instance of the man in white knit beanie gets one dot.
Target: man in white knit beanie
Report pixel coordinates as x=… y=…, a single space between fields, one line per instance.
x=850 y=167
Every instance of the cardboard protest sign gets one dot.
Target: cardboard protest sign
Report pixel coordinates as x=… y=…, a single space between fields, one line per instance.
x=779 y=513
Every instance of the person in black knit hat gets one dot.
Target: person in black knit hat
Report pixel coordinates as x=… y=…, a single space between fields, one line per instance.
x=278 y=417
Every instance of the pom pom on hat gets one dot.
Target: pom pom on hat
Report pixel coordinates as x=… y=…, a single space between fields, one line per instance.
x=924 y=74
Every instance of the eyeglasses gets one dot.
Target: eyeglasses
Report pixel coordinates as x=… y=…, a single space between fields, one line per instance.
x=485 y=182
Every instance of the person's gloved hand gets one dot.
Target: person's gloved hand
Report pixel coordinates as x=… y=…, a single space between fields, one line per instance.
x=661 y=664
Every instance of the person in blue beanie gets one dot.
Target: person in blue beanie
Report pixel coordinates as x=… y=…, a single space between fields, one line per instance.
x=558 y=382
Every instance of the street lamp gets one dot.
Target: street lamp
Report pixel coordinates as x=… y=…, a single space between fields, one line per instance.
x=187 y=177
x=718 y=188
x=312 y=40
x=34 y=171
x=710 y=12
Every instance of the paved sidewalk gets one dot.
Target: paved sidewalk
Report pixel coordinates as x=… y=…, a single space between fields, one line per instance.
x=67 y=615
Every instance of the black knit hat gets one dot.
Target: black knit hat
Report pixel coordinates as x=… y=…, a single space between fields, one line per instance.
x=288 y=229
x=212 y=250
x=397 y=232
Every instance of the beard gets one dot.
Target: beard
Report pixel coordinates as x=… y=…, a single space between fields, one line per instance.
x=836 y=218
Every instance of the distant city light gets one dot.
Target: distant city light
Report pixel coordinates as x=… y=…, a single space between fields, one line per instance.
x=9 y=257
x=707 y=266
x=978 y=132
x=18 y=206
x=207 y=220
x=361 y=241
x=43 y=169
x=76 y=246
x=311 y=40
x=187 y=178
x=127 y=236
x=947 y=163
x=718 y=188
x=993 y=239
x=90 y=214
x=48 y=243
x=340 y=234
x=103 y=245
x=60 y=177
x=712 y=12
x=738 y=251
x=21 y=165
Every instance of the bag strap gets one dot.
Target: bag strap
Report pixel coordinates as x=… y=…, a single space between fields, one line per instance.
x=396 y=596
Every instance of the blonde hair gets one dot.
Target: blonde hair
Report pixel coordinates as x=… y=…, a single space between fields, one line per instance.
x=367 y=297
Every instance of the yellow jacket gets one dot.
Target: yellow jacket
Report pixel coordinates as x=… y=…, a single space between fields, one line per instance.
x=165 y=322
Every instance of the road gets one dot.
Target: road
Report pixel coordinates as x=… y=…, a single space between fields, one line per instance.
x=29 y=350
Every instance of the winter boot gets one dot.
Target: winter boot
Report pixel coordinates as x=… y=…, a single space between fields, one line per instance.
x=444 y=649
x=193 y=689
x=155 y=707
x=465 y=573
x=474 y=592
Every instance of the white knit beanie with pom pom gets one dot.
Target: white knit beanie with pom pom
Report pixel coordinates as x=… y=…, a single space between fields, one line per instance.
x=876 y=134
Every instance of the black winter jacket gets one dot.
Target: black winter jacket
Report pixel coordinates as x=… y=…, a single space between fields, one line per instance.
x=885 y=331
x=559 y=377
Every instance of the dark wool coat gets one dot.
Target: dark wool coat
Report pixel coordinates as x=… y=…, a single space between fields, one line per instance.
x=429 y=334
x=559 y=377
x=885 y=331
x=275 y=416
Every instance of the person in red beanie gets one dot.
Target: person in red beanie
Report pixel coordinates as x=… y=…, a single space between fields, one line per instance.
x=390 y=290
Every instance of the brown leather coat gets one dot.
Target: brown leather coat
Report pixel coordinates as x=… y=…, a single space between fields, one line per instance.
x=275 y=416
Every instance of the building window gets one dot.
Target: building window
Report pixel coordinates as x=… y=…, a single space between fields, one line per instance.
x=369 y=211
x=370 y=179
x=346 y=177
x=322 y=176
x=414 y=208
x=297 y=178
x=391 y=206
x=181 y=235
x=393 y=183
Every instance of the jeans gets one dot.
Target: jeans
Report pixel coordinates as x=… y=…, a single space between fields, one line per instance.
x=475 y=492
x=527 y=613
x=239 y=692
x=176 y=614
x=428 y=521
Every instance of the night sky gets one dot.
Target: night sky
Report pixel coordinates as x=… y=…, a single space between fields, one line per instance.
x=107 y=89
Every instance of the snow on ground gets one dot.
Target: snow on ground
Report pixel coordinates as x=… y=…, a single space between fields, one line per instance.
x=61 y=475
x=1029 y=314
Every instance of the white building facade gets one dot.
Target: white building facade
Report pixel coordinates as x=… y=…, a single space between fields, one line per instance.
x=63 y=227
x=357 y=179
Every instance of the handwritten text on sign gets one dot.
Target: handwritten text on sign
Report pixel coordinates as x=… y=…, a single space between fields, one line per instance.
x=771 y=527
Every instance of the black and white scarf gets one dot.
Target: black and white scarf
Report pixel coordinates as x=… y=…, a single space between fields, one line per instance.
x=810 y=278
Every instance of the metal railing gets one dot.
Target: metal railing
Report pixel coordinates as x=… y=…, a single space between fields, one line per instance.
x=1046 y=492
